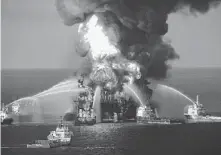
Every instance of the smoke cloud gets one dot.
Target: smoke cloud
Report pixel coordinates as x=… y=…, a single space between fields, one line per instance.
x=130 y=32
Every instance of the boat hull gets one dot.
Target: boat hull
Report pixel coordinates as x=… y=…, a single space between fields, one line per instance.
x=38 y=146
x=201 y=119
x=54 y=144
x=7 y=121
x=49 y=143
x=153 y=121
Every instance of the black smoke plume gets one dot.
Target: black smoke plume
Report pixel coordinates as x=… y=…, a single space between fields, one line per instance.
x=140 y=24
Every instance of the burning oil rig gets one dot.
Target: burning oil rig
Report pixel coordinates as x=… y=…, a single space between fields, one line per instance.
x=114 y=106
x=128 y=47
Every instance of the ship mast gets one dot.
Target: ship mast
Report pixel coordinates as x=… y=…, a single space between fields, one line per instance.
x=2 y=106
x=197 y=99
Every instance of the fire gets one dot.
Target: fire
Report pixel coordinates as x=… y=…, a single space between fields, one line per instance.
x=102 y=74
x=112 y=28
x=100 y=45
x=104 y=52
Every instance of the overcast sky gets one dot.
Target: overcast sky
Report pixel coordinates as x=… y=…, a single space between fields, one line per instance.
x=33 y=36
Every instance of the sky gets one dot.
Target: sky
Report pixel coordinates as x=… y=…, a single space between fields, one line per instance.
x=33 y=36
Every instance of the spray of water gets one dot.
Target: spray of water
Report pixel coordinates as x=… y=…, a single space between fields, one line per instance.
x=96 y=103
x=65 y=86
x=175 y=90
x=64 y=83
x=134 y=92
x=29 y=100
x=62 y=87
x=61 y=91
x=169 y=102
x=54 y=90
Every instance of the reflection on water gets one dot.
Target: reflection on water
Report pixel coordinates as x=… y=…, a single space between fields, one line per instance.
x=121 y=138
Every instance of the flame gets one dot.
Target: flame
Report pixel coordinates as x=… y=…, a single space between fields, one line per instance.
x=100 y=45
x=105 y=53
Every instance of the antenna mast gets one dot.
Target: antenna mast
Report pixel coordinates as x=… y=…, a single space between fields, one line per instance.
x=197 y=99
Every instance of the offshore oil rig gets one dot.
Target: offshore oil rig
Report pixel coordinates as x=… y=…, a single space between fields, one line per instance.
x=115 y=107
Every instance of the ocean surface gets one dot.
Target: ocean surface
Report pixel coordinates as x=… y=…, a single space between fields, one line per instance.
x=127 y=138
x=119 y=139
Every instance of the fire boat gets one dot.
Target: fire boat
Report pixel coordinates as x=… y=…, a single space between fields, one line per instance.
x=147 y=115
x=197 y=114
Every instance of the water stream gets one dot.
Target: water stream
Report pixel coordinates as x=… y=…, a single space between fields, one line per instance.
x=97 y=104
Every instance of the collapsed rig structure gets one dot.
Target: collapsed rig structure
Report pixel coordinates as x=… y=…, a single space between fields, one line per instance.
x=115 y=107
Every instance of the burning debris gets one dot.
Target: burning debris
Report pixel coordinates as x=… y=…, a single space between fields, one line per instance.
x=123 y=38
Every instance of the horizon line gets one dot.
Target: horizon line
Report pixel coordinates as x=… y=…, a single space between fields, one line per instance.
x=76 y=69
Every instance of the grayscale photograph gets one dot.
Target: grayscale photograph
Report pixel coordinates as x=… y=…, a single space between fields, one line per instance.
x=110 y=77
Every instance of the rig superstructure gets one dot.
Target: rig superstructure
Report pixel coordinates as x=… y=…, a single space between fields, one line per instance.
x=115 y=107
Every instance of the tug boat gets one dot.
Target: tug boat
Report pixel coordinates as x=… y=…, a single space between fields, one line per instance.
x=145 y=115
x=57 y=138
